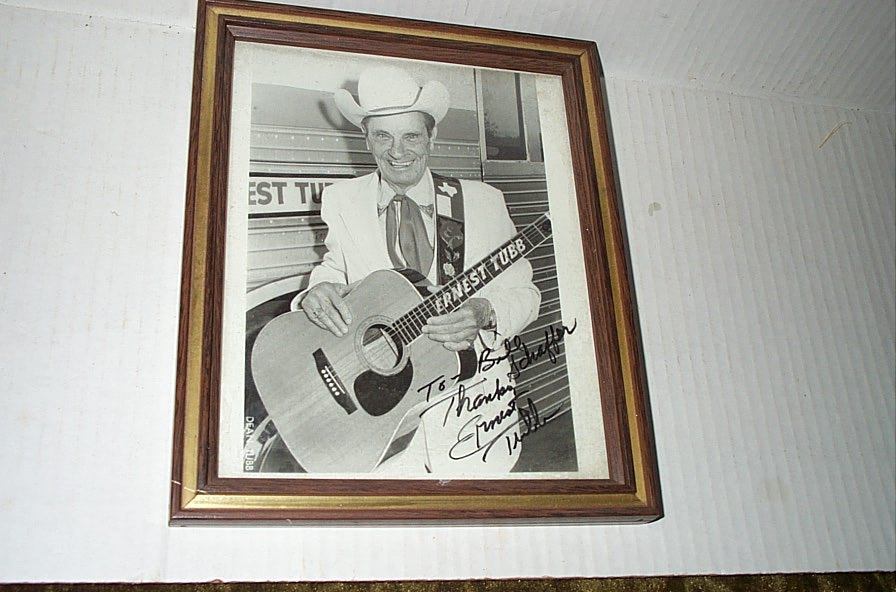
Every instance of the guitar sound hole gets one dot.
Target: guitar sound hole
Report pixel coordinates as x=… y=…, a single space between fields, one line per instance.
x=381 y=351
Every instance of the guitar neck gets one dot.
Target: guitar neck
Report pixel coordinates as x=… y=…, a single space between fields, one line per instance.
x=465 y=285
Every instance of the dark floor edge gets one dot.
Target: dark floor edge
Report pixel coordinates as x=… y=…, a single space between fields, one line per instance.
x=884 y=581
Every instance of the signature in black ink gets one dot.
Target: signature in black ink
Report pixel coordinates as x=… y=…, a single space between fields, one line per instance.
x=521 y=356
x=480 y=435
x=513 y=422
x=532 y=421
x=438 y=385
x=459 y=401
x=466 y=404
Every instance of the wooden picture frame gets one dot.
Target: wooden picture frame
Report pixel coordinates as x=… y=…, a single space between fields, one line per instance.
x=201 y=492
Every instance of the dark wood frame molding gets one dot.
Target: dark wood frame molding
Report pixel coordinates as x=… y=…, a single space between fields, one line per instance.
x=198 y=494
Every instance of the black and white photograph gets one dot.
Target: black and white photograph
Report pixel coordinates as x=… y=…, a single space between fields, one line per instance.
x=404 y=292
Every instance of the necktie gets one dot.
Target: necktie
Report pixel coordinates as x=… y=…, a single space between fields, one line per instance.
x=411 y=234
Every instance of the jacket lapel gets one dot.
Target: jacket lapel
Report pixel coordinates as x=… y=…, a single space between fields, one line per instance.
x=362 y=221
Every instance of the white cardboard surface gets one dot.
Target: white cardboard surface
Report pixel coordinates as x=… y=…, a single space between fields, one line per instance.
x=763 y=258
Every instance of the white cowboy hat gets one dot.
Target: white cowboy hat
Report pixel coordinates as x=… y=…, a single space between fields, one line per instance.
x=387 y=90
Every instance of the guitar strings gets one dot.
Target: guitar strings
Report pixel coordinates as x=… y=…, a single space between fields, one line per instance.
x=415 y=317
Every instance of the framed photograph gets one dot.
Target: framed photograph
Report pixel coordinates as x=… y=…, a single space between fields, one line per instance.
x=405 y=291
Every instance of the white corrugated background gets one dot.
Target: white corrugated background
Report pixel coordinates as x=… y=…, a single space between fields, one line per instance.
x=762 y=250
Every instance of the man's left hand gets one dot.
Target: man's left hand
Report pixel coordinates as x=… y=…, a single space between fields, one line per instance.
x=457 y=330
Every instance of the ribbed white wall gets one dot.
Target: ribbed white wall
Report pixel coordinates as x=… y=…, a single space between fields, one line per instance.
x=763 y=258
x=839 y=52
x=763 y=261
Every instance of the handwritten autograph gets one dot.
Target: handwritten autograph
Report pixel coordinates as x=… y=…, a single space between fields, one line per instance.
x=476 y=436
x=482 y=433
x=518 y=418
x=521 y=356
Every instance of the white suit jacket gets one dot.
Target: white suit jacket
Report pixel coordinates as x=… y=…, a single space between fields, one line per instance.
x=356 y=246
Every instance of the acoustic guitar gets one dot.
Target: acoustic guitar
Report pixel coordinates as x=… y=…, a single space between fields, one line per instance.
x=338 y=402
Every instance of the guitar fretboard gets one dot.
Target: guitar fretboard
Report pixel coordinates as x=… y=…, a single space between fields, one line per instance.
x=463 y=286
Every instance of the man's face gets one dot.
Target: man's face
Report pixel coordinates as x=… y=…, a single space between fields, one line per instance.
x=400 y=144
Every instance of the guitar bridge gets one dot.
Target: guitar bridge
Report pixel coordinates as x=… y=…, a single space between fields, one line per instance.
x=331 y=380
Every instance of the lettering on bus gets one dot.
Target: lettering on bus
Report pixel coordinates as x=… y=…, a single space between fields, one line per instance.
x=283 y=195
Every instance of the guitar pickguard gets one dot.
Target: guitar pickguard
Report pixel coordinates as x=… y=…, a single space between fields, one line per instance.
x=378 y=394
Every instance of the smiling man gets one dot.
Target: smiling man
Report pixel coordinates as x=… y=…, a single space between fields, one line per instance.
x=407 y=217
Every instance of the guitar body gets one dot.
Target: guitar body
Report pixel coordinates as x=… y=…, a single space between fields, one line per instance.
x=339 y=401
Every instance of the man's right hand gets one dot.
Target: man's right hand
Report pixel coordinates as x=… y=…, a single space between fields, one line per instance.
x=325 y=307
